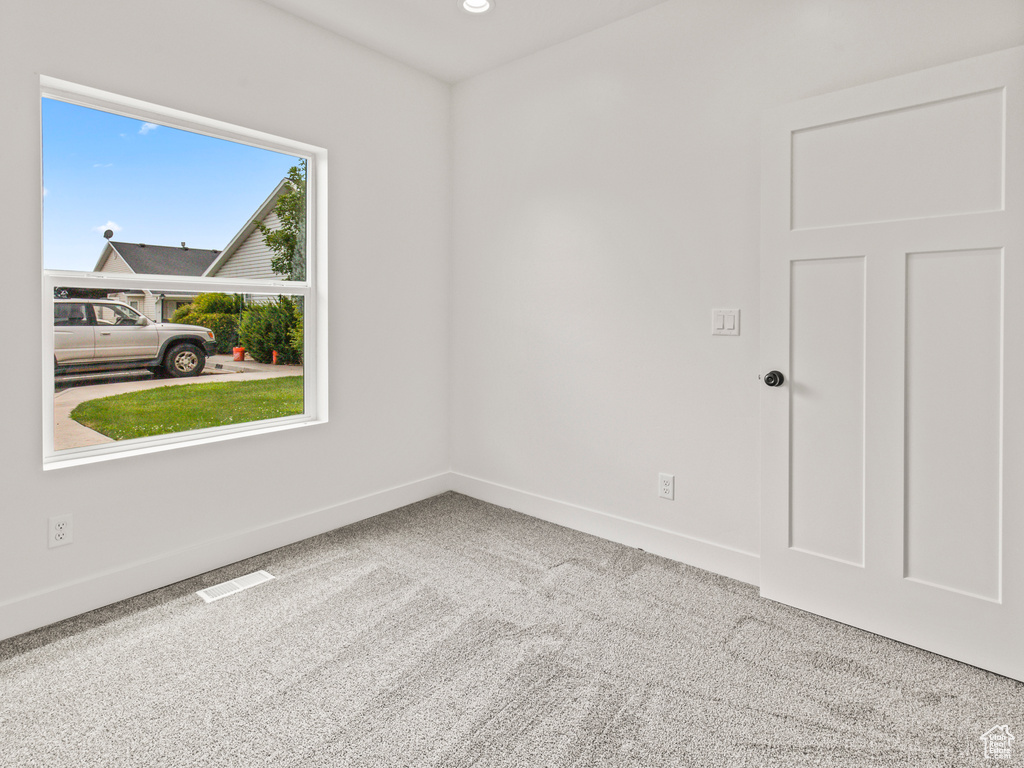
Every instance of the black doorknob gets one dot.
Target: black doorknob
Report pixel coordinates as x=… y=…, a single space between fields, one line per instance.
x=774 y=379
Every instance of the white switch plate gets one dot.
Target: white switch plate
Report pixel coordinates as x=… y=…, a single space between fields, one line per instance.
x=725 y=322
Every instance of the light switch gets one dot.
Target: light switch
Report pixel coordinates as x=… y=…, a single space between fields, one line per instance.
x=725 y=322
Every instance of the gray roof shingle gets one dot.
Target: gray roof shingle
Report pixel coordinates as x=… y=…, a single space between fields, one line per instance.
x=165 y=259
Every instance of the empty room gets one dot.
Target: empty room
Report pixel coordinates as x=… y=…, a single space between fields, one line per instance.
x=504 y=383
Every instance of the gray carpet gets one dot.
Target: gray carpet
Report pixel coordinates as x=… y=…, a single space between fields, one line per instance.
x=455 y=633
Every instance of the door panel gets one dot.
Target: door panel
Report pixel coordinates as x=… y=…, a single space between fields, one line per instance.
x=827 y=408
x=953 y=405
x=119 y=336
x=130 y=342
x=892 y=287
x=932 y=159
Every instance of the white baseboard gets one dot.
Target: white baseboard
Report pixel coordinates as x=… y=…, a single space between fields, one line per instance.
x=47 y=606
x=38 y=609
x=735 y=563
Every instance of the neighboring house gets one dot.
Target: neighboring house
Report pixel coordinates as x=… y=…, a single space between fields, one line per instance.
x=246 y=256
x=145 y=259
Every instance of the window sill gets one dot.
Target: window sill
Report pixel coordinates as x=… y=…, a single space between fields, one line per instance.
x=121 y=449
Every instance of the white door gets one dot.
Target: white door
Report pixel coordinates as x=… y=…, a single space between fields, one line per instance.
x=893 y=305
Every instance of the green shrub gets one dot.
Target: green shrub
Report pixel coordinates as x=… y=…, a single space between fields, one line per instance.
x=265 y=328
x=295 y=336
x=224 y=327
x=215 y=304
x=216 y=311
x=181 y=313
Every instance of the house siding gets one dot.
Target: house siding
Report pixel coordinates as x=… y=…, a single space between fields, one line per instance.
x=252 y=259
x=148 y=306
x=147 y=303
x=114 y=263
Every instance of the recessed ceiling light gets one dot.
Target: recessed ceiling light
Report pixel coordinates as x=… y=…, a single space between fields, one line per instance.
x=476 y=6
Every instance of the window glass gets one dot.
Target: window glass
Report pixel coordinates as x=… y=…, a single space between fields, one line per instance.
x=70 y=313
x=174 y=199
x=189 y=255
x=116 y=314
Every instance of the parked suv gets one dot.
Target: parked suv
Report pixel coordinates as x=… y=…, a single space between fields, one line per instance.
x=103 y=335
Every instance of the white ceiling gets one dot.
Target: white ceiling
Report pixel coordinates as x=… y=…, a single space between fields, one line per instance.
x=436 y=36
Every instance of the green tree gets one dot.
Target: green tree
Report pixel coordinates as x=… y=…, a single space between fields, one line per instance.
x=288 y=243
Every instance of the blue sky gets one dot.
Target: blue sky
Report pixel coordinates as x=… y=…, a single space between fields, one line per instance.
x=150 y=184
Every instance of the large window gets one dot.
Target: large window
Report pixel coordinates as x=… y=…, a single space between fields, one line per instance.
x=183 y=278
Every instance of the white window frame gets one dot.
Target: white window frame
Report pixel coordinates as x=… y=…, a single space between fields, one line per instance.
x=313 y=289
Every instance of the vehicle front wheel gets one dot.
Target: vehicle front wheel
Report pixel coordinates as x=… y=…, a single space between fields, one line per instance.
x=184 y=360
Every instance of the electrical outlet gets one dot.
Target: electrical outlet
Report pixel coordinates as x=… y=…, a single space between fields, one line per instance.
x=666 y=486
x=60 y=530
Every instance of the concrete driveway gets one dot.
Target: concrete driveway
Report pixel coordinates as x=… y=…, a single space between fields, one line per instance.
x=68 y=433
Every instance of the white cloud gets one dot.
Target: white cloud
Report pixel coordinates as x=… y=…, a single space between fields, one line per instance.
x=102 y=165
x=109 y=225
x=147 y=127
x=45 y=191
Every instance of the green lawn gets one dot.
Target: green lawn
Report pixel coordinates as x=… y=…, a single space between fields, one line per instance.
x=182 y=407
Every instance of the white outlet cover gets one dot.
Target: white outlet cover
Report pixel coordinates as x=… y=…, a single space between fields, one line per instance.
x=60 y=530
x=666 y=486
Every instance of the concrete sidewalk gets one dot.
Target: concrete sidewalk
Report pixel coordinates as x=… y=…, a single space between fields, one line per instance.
x=226 y=363
x=68 y=433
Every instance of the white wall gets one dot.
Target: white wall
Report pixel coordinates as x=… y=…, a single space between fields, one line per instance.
x=149 y=520
x=606 y=199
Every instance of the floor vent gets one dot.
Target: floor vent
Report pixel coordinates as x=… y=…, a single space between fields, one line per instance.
x=218 y=591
